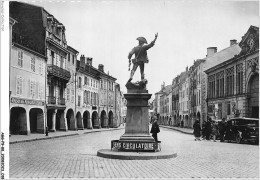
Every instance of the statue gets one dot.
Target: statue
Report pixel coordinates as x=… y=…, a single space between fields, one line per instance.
x=140 y=56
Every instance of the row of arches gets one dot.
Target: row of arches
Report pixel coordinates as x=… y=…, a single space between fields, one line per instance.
x=180 y=120
x=23 y=121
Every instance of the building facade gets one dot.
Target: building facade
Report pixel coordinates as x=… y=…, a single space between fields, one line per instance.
x=195 y=91
x=233 y=85
x=27 y=89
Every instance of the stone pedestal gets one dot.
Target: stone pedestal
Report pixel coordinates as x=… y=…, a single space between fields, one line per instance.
x=137 y=118
x=137 y=135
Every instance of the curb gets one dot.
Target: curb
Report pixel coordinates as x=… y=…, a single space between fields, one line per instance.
x=176 y=130
x=110 y=154
x=75 y=134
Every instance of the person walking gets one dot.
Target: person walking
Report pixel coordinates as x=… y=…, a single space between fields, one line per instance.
x=196 y=130
x=155 y=130
x=203 y=131
x=208 y=128
x=222 y=129
x=214 y=131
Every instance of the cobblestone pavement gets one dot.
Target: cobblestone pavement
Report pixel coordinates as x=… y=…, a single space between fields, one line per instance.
x=75 y=157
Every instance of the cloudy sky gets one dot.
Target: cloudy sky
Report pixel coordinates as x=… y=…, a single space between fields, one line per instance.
x=107 y=31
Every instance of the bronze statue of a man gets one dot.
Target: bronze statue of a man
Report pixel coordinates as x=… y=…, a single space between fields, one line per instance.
x=140 y=52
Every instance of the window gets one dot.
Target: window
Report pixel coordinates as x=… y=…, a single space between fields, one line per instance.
x=92 y=98
x=79 y=83
x=101 y=83
x=220 y=84
x=79 y=98
x=211 y=86
x=20 y=58
x=88 y=97
x=69 y=57
x=97 y=98
x=85 y=97
x=52 y=57
x=40 y=91
x=72 y=95
x=239 y=78
x=32 y=88
x=33 y=64
x=61 y=62
x=68 y=93
x=85 y=80
x=41 y=67
x=228 y=108
x=230 y=81
x=19 y=85
x=73 y=58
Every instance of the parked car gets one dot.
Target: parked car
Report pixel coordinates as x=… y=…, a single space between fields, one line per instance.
x=242 y=129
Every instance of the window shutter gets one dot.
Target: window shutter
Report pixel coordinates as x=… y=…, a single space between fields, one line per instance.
x=37 y=90
x=17 y=86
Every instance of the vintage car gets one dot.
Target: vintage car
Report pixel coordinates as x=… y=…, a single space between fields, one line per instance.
x=242 y=129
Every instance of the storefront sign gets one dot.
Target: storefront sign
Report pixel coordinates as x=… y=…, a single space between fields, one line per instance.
x=26 y=101
x=135 y=146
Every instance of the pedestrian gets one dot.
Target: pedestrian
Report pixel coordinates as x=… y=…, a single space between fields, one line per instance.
x=222 y=129
x=155 y=130
x=203 y=131
x=214 y=131
x=196 y=130
x=208 y=128
x=181 y=123
x=47 y=131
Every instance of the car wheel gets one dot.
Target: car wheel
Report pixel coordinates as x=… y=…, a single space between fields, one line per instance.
x=238 y=138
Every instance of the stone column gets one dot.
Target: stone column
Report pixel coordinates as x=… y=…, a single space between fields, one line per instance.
x=53 y=128
x=63 y=122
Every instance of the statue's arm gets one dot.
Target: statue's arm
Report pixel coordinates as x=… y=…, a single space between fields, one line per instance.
x=152 y=43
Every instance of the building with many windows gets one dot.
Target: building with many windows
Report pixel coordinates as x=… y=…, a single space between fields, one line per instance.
x=49 y=87
x=195 y=91
x=214 y=58
x=184 y=98
x=107 y=98
x=175 y=101
x=233 y=85
x=27 y=88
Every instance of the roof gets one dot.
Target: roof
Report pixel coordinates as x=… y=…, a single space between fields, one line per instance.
x=222 y=56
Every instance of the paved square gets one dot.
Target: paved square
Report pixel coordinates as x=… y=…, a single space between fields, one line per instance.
x=75 y=157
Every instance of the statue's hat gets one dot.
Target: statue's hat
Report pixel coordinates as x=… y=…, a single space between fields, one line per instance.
x=142 y=39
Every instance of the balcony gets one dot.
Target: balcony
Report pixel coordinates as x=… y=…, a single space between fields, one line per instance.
x=61 y=101
x=58 y=72
x=51 y=100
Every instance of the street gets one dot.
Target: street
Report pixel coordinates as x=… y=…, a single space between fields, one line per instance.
x=75 y=157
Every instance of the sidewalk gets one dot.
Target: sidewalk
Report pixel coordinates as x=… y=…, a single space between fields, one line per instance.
x=36 y=136
x=183 y=130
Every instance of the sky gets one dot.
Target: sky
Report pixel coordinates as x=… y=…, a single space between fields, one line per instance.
x=107 y=31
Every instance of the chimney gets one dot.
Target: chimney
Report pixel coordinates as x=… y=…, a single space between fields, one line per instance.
x=162 y=86
x=89 y=61
x=233 y=42
x=82 y=61
x=187 y=68
x=101 y=67
x=211 y=51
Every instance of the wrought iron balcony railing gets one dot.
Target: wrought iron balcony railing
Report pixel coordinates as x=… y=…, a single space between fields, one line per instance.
x=58 y=72
x=61 y=101
x=51 y=100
